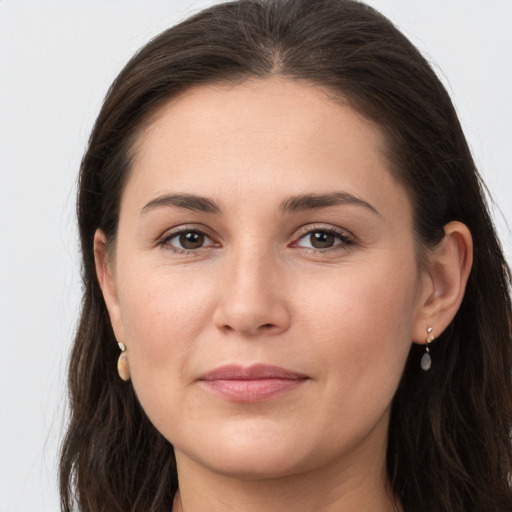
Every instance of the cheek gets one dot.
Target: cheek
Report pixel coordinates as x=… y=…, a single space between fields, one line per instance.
x=357 y=329
x=164 y=313
x=363 y=318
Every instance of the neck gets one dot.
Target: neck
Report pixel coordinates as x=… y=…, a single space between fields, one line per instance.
x=358 y=485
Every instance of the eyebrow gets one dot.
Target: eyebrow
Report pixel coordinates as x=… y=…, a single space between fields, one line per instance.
x=187 y=201
x=293 y=204
x=314 y=201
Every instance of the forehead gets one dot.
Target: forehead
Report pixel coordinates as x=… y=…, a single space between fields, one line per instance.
x=280 y=135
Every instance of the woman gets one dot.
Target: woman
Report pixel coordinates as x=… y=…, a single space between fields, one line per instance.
x=287 y=252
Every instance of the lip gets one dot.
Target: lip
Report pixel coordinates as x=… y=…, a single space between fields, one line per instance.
x=254 y=383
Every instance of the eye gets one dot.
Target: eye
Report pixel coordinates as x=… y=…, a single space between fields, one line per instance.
x=187 y=240
x=325 y=238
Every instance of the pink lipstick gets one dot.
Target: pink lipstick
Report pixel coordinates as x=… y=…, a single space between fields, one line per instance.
x=255 y=383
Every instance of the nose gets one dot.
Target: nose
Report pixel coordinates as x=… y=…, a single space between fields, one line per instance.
x=253 y=299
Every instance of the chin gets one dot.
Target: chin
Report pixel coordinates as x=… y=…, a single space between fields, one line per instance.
x=251 y=457
x=249 y=465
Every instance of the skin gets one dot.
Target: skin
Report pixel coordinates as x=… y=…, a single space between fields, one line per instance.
x=258 y=291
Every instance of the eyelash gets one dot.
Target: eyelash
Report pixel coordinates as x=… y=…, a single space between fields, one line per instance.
x=165 y=240
x=345 y=240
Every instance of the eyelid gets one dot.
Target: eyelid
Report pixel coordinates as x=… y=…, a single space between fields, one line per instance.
x=329 y=228
x=163 y=240
x=346 y=237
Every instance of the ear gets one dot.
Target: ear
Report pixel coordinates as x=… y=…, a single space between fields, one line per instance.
x=445 y=281
x=106 y=278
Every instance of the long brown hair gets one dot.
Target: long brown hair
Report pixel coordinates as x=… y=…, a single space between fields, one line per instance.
x=449 y=436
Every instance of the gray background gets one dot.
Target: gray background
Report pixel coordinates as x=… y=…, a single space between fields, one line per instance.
x=57 y=59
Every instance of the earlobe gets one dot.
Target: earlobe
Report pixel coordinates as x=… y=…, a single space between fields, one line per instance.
x=106 y=280
x=448 y=272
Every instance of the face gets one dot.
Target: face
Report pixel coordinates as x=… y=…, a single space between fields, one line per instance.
x=264 y=279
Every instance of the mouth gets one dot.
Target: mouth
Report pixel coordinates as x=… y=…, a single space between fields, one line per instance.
x=255 y=383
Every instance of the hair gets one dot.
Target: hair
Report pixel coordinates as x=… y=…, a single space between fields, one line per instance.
x=449 y=442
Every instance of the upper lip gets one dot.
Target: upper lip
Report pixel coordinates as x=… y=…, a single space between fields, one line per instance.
x=253 y=372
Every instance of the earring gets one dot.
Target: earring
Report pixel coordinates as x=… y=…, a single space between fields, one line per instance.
x=426 y=360
x=122 y=363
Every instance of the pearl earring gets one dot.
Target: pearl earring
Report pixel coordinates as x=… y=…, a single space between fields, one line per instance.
x=122 y=363
x=426 y=360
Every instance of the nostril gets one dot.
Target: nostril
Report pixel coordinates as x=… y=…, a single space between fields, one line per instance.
x=263 y=327
x=250 y=317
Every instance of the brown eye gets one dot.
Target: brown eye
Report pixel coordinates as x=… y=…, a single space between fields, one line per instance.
x=321 y=239
x=324 y=239
x=187 y=240
x=191 y=240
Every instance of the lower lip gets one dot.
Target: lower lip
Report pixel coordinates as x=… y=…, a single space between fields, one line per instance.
x=257 y=390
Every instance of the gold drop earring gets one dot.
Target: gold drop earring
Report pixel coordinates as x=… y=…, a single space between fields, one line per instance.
x=122 y=363
x=426 y=360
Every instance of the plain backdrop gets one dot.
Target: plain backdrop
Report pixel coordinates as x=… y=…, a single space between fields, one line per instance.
x=57 y=59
